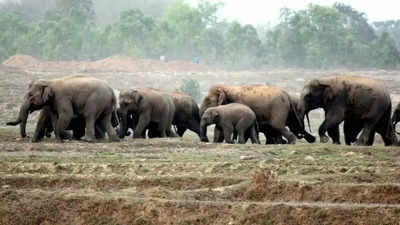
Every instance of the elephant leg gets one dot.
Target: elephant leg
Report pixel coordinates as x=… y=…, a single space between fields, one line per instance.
x=62 y=123
x=368 y=132
x=235 y=135
x=290 y=137
x=254 y=136
x=180 y=130
x=387 y=130
x=351 y=130
x=142 y=124
x=90 y=134
x=241 y=127
x=334 y=133
x=218 y=135
x=99 y=130
x=194 y=126
x=105 y=125
x=228 y=131
x=332 y=119
x=42 y=125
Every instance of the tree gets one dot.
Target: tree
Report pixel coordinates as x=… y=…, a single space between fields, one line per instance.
x=181 y=27
x=68 y=7
x=242 y=45
x=385 y=54
x=12 y=28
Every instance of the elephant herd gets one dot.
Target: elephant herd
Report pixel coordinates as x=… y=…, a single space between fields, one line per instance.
x=86 y=108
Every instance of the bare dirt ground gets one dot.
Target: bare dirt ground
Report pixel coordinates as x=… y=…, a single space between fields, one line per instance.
x=183 y=181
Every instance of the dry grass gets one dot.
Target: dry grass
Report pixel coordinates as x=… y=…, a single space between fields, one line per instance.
x=183 y=181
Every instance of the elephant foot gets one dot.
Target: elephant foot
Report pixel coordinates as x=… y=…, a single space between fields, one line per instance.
x=114 y=139
x=336 y=142
x=360 y=143
x=204 y=139
x=292 y=139
x=88 y=139
x=35 y=140
x=309 y=138
x=324 y=139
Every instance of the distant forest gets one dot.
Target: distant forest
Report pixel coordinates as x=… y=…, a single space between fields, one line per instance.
x=316 y=37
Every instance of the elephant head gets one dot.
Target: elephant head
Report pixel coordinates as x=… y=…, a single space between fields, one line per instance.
x=39 y=94
x=210 y=116
x=316 y=94
x=216 y=96
x=129 y=103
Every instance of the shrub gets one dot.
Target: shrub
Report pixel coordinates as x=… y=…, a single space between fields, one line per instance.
x=191 y=87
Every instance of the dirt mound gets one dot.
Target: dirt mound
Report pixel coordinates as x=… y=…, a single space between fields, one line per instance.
x=113 y=63
x=22 y=61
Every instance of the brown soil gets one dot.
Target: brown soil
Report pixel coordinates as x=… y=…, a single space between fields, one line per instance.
x=113 y=63
x=182 y=181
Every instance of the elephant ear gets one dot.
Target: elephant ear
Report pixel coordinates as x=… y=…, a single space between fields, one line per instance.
x=221 y=96
x=329 y=91
x=216 y=116
x=47 y=91
x=138 y=97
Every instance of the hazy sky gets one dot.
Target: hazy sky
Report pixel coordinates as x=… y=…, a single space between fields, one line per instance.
x=263 y=11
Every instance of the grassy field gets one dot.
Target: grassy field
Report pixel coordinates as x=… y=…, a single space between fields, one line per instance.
x=183 y=181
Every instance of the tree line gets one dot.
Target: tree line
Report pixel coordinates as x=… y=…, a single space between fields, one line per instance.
x=315 y=37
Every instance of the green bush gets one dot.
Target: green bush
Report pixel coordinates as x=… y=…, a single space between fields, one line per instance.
x=191 y=87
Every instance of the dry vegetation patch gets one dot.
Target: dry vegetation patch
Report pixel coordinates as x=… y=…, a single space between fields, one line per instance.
x=183 y=181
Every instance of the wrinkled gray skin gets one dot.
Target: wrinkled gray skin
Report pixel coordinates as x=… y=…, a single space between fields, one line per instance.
x=362 y=103
x=292 y=123
x=227 y=119
x=44 y=126
x=88 y=97
x=273 y=137
x=146 y=106
x=187 y=113
x=270 y=104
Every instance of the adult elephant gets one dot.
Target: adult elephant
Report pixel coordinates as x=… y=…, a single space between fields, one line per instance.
x=362 y=103
x=44 y=126
x=146 y=106
x=270 y=104
x=274 y=137
x=187 y=114
x=89 y=98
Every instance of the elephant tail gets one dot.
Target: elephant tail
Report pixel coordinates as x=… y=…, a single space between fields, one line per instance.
x=294 y=112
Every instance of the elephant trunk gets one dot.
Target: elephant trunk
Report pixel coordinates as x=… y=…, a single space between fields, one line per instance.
x=203 y=131
x=123 y=125
x=23 y=117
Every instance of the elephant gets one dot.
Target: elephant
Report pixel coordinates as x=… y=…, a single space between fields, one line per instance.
x=273 y=137
x=146 y=106
x=187 y=114
x=227 y=119
x=363 y=104
x=44 y=126
x=271 y=105
x=63 y=98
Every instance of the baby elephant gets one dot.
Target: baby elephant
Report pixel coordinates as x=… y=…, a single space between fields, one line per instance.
x=227 y=119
